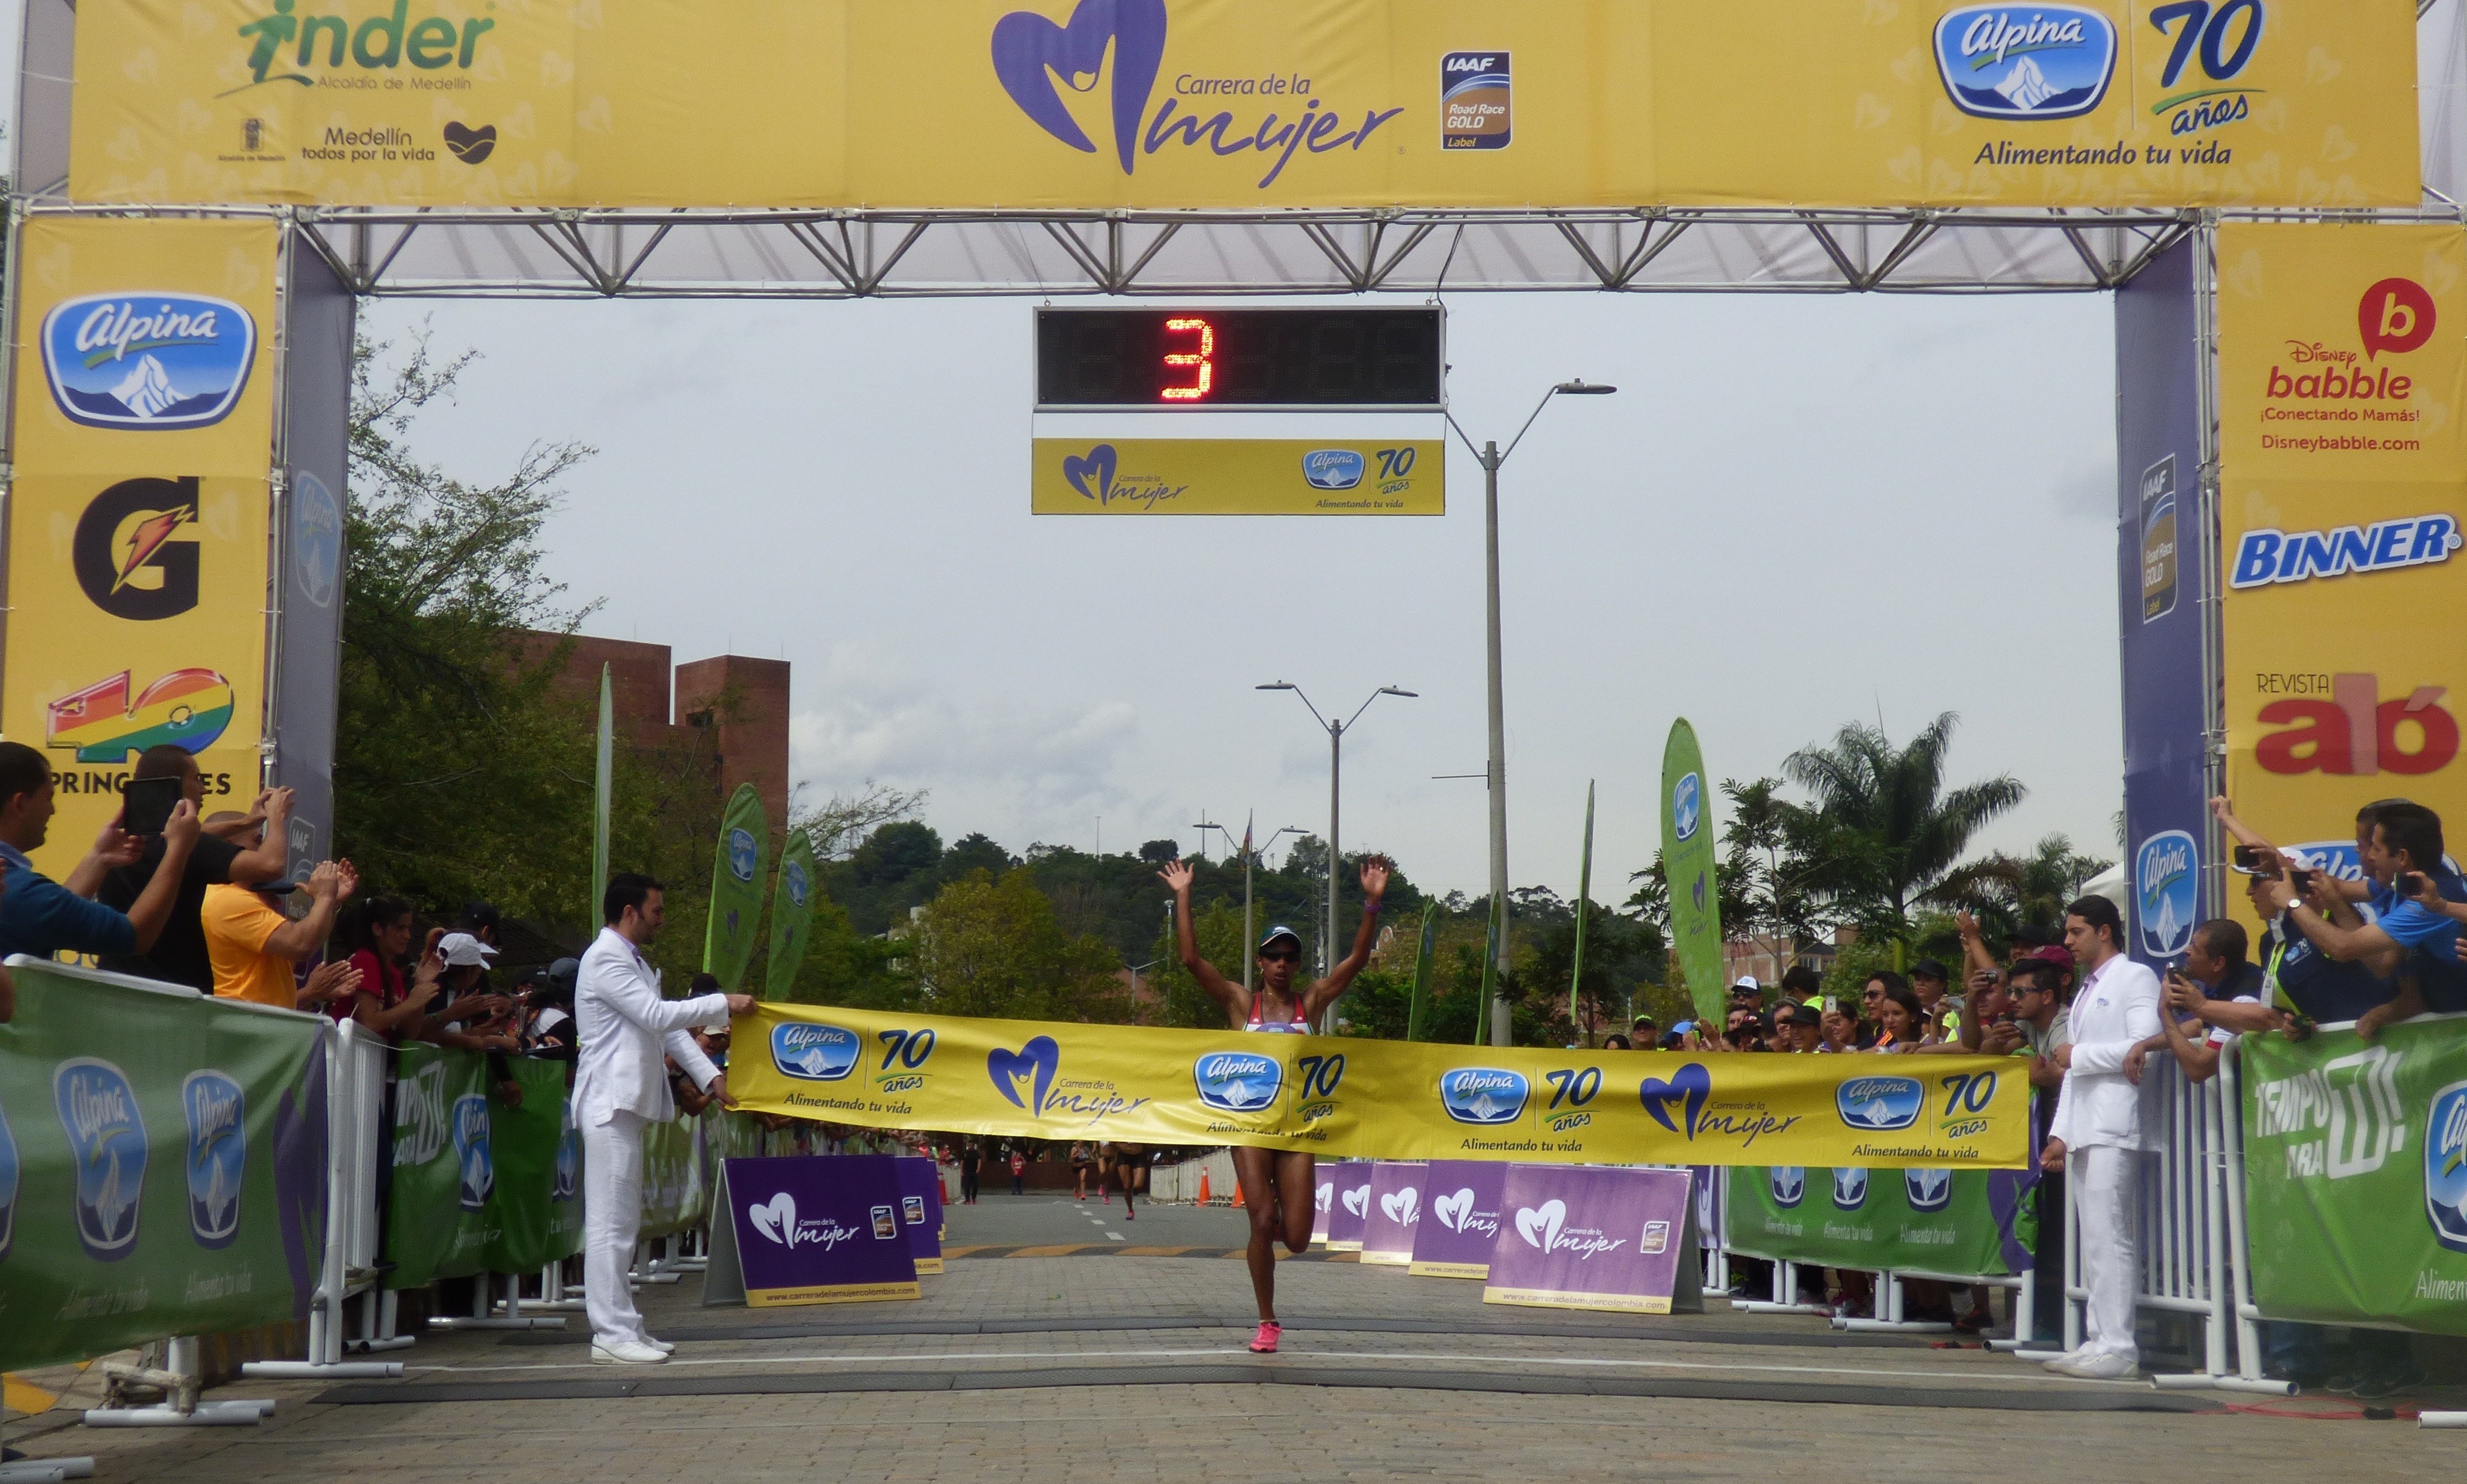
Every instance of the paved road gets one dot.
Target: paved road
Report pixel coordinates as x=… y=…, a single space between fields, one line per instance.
x=1052 y=1368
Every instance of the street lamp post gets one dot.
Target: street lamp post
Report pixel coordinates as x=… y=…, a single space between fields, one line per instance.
x=1491 y=455
x=1336 y=732
x=1249 y=853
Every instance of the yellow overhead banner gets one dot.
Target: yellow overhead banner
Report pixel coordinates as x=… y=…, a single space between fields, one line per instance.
x=1238 y=477
x=1245 y=103
x=1378 y=1099
x=2342 y=380
x=138 y=506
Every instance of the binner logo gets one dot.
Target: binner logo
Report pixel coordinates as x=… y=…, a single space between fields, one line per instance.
x=2166 y=876
x=2272 y=555
x=218 y=1155
x=1483 y=1094
x=2445 y=1166
x=1333 y=469
x=1880 y=1104
x=1788 y=1183
x=1240 y=1082
x=814 y=1053
x=2354 y=733
x=149 y=361
x=2050 y=61
x=106 y=1137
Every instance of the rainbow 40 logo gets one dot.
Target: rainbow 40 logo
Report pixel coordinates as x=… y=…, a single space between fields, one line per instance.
x=102 y=724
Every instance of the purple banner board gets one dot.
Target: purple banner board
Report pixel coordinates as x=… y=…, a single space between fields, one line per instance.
x=1394 y=1210
x=1580 y=1238
x=819 y=1229
x=1347 y=1184
x=920 y=1210
x=1460 y=1219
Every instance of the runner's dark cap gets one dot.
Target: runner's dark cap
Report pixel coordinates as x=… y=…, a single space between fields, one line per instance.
x=1280 y=931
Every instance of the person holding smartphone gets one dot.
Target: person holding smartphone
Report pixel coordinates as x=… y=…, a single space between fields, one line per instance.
x=2409 y=944
x=41 y=917
x=240 y=850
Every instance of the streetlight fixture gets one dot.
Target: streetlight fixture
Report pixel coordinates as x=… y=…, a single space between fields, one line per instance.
x=1336 y=732
x=1490 y=456
x=1249 y=853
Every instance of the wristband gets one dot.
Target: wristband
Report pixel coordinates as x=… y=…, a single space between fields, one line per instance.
x=1371 y=908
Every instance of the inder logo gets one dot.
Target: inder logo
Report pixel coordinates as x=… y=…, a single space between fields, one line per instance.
x=1239 y=1081
x=2046 y=62
x=150 y=361
x=814 y=1053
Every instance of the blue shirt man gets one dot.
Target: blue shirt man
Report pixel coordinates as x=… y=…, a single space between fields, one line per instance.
x=41 y=917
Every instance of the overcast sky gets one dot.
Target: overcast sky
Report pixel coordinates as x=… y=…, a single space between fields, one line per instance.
x=1798 y=512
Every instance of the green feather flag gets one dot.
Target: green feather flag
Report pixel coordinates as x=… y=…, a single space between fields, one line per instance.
x=736 y=888
x=792 y=909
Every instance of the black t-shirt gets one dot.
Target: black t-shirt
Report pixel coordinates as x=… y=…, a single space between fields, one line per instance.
x=179 y=951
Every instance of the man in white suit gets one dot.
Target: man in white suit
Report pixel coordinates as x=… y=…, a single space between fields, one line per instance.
x=2100 y=1125
x=619 y=1087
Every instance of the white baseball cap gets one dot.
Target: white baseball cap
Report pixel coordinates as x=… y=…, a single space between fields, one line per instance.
x=462 y=951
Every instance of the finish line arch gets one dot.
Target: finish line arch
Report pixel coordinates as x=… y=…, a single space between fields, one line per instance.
x=2243 y=176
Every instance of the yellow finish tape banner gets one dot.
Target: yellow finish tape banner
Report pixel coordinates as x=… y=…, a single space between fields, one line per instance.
x=1238 y=477
x=137 y=511
x=2342 y=384
x=1245 y=103
x=1376 y=1099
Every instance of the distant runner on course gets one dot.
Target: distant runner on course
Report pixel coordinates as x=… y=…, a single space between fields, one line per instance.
x=1276 y=1187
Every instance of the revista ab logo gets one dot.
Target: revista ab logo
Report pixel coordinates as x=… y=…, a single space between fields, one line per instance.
x=1880 y=1104
x=2048 y=61
x=814 y=1053
x=1485 y=1094
x=1033 y=52
x=217 y=1160
x=148 y=360
x=2340 y=725
x=1239 y=1081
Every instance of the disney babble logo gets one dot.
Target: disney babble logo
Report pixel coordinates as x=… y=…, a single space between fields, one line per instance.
x=1546 y=1227
x=1032 y=52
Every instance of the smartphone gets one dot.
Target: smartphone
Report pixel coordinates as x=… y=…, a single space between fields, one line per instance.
x=2249 y=860
x=147 y=804
x=2300 y=879
x=2411 y=883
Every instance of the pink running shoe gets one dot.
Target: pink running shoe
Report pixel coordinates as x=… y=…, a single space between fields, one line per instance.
x=1265 y=1343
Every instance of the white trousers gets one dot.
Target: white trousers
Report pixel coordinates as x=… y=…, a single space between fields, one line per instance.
x=612 y=1216
x=2107 y=1198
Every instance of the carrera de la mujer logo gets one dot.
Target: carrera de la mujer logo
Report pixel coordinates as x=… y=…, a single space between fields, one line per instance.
x=1274 y=116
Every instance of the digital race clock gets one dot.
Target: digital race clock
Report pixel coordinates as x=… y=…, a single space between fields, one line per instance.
x=1247 y=360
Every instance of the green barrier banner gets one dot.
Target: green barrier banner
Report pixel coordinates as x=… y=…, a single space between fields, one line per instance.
x=537 y=1201
x=736 y=888
x=2355 y=1158
x=479 y=1186
x=438 y=1217
x=162 y=1165
x=1687 y=868
x=1902 y=1221
x=675 y=1191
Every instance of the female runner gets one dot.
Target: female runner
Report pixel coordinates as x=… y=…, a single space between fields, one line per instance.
x=1276 y=1186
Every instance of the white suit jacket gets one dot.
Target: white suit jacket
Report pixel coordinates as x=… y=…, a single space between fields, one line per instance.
x=2117 y=1008
x=625 y=1028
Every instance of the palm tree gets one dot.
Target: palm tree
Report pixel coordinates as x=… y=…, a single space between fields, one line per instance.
x=1885 y=832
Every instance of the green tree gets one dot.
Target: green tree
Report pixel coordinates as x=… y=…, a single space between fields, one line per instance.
x=1217 y=929
x=992 y=948
x=2009 y=891
x=1884 y=831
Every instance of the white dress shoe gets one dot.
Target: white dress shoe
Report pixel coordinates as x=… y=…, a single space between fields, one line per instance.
x=2099 y=1365
x=663 y=1346
x=625 y=1352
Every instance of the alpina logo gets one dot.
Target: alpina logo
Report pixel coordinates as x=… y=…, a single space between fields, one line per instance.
x=1483 y=1094
x=2354 y=733
x=8 y=1183
x=1880 y=1104
x=2167 y=882
x=1849 y=1189
x=218 y=1155
x=815 y=1053
x=150 y=361
x=1032 y=53
x=566 y=1180
x=98 y=1110
x=1239 y=1081
x=1687 y=807
x=742 y=857
x=472 y=1153
x=1928 y=1190
x=2050 y=62
x=793 y=877
x=2445 y=1167
x=1788 y=1183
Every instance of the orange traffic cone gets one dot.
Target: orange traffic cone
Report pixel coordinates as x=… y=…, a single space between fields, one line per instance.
x=1237 y=1198
x=1203 y=1187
